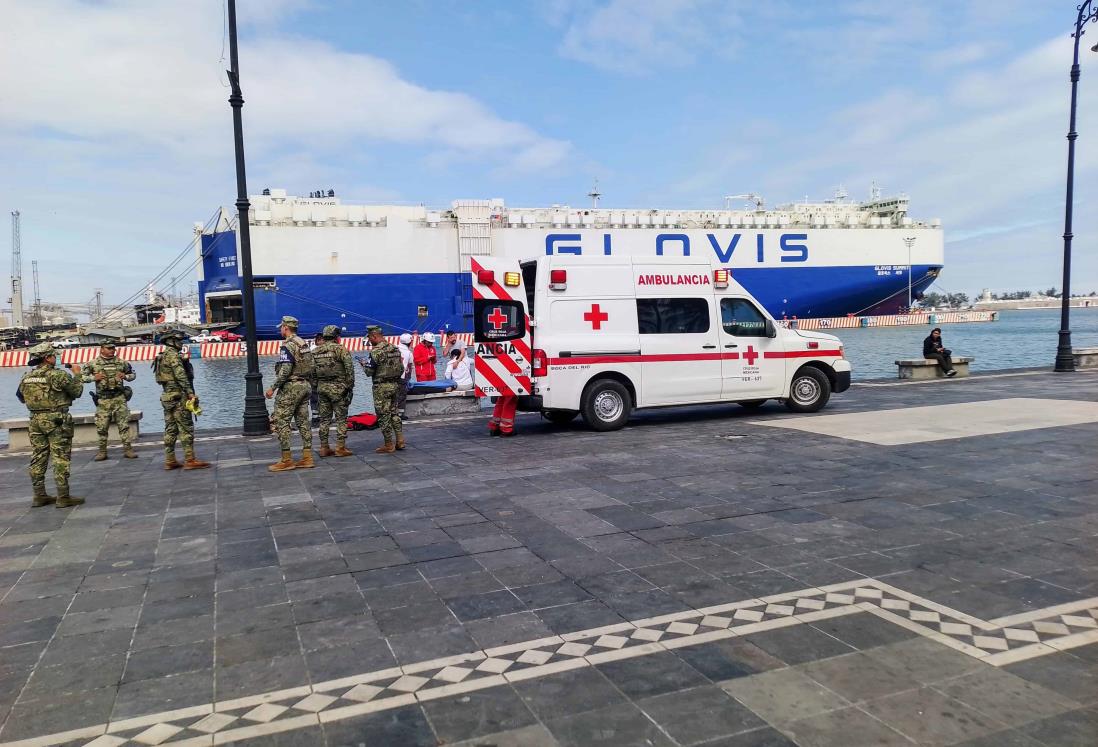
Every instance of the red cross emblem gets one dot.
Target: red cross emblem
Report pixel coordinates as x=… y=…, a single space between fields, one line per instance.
x=497 y=318
x=596 y=316
x=750 y=356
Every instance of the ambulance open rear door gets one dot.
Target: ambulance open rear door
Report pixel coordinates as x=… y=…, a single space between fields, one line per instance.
x=501 y=328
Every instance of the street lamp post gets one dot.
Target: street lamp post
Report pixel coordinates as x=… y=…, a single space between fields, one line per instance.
x=1065 y=361
x=256 y=420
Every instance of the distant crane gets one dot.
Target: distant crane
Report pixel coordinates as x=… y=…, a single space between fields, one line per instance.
x=16 y=272
x=38 y=321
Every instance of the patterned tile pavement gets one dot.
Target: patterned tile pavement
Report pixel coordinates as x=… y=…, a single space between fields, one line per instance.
x=693 y=579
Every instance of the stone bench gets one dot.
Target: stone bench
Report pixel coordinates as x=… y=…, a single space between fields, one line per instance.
x=445 y=403
x=1085 y=357
x=925 y=368
x=83 y=430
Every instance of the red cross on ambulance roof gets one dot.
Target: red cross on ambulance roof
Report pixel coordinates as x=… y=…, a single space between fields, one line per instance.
x=497 y=318
x=596 y=316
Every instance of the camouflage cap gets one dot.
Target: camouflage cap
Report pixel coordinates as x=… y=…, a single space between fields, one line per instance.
x=373 y=328
x=330 y=332
x=110 y=344
x=41 y=350
x=169 y=333
x=289 y=321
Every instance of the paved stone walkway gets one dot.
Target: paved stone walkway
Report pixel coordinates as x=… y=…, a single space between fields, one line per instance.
x=697 y=578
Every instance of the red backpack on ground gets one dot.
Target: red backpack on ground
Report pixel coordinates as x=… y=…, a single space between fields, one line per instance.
x=364 y=421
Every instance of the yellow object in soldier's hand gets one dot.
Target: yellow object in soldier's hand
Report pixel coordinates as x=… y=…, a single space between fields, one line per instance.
x=193 y=407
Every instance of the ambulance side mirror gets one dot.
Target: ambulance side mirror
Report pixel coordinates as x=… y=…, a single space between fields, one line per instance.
x=771 y=329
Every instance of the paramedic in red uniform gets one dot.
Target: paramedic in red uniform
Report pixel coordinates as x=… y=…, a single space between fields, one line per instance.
x=426 y=358
x=502 y=422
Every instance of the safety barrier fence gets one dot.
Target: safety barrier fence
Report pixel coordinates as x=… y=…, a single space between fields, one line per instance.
x=140 y=352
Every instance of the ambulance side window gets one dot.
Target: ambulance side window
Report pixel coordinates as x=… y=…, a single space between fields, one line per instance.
x=672 y=316
x=498 y=321
x=740 y=318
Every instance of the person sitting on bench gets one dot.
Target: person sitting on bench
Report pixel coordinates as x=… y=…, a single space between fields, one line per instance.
x=934 y=350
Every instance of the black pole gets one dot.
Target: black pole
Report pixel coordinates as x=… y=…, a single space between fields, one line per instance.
x=1065 y=361
x=256 y=420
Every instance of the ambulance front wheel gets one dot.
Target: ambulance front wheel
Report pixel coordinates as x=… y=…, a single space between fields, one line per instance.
x=809 y=391
x=606 y=405
x=560 y=417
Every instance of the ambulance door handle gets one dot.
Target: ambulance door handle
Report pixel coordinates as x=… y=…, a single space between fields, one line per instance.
x=709 y=347
x=732 y=345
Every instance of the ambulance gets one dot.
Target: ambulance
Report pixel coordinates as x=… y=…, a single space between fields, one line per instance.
x=604 y=336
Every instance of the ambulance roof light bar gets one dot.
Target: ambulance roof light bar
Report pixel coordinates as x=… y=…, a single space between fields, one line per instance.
x=512 y=279
x=720 y=278
x=558 y=280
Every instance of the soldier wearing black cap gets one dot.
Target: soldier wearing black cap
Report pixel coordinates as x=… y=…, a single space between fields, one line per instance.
x=175 y=377
x=387 y=369
x=110 y=374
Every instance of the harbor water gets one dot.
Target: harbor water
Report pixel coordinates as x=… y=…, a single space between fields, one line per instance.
x=1020 y=339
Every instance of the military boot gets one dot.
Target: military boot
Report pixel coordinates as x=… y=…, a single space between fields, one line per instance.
x=388 y=448
x=101 y=455
x=64 y=500
x=285 y=464
x=306 y=460
x=193 y=463
x=400 y=442
x=170 y=463
x=341 y=450
x=325 y=451
x=41 y=497
x=128 y=452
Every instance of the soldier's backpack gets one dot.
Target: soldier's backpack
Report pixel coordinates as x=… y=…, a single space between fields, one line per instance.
x=326 y=362
x=389 y=366
x=34 y=391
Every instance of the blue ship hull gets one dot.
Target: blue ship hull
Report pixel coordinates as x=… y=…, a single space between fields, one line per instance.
x=429 y=301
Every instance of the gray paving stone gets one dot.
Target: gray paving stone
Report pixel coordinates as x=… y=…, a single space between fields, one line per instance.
x=930 y=717
x=569 y=693
x=783 y=695
x=613 y=725
x=846 y=726
x=700 y=714
x=477 y=713
x=1009 y=699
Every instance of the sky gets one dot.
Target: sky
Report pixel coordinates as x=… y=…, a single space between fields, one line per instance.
x=116 y=135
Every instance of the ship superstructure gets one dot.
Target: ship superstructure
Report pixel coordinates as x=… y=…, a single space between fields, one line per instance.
x=402 y=266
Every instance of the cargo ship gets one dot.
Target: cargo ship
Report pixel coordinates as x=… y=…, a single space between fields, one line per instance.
x=406 y=267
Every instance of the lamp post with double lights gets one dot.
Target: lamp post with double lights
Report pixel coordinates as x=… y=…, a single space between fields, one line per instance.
x=1065 y=361
x=256 y=420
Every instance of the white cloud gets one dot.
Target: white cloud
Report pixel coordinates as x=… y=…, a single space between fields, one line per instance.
x=127 y=71
x=636 y=36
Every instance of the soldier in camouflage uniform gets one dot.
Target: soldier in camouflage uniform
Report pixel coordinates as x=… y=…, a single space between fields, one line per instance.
x=335 y=374
x=173 y=375
x=109 y=372
x=386 y=368
x=293 y=382
x=48 y=393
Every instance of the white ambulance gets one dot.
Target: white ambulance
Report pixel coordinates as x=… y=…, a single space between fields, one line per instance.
x=603 y=336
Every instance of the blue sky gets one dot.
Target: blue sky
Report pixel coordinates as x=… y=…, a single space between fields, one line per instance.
x=117 y=136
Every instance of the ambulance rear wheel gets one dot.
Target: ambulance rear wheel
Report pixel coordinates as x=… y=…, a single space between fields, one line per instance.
x=809 y=391
x=560 y=417
x=606 y=405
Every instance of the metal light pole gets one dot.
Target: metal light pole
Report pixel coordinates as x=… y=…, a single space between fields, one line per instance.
x=1065 y=361
x=910 y=241
x=256 y=420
